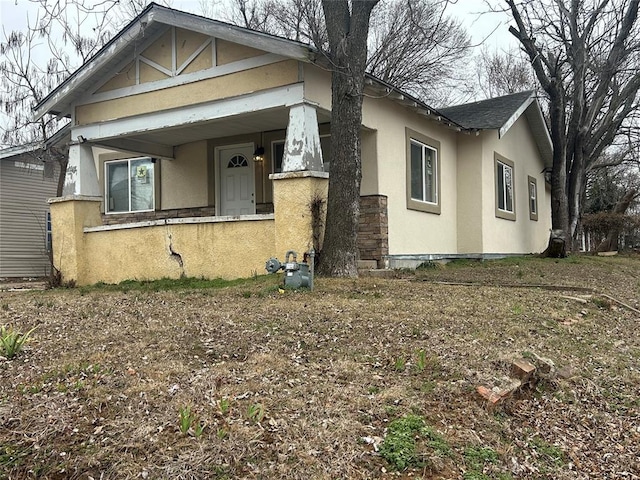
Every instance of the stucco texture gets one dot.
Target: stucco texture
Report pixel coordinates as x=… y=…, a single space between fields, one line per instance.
x=246 y=81
x=292 y=198
x=522 y=235
x=183 y=181
x=411 y=231
x=208 y=250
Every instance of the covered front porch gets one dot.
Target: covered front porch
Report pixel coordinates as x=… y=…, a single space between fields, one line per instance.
x=207 y=191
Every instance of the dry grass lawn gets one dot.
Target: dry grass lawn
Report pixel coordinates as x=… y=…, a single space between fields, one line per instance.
x=242 y=381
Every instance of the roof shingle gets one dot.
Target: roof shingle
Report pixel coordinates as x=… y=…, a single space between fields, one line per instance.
x=487 y=114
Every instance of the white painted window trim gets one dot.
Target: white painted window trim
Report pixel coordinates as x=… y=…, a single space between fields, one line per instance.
x=532 y=193
x=434 y=174
x=106 y=186
x=503 y=194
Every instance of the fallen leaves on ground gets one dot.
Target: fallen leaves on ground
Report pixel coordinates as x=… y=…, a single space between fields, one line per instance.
x=304 y=384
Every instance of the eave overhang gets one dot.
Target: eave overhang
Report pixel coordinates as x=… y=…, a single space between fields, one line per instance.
x=151 y=21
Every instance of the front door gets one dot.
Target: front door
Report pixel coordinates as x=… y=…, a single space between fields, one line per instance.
x=237 y=196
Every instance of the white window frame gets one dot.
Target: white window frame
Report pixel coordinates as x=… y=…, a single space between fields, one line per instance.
x=48 y=239
x=533 y=197
x=106 y=186
x=426 y=144
x=505 y=213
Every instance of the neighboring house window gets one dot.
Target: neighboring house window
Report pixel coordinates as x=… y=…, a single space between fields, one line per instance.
x=277 y=153
x=49 y=237
x=129 y=185
x=423 y=172
x=533 y=198
x=505 y=196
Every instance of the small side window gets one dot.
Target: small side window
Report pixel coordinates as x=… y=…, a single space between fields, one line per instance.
x=533 y=198
x=505 y=194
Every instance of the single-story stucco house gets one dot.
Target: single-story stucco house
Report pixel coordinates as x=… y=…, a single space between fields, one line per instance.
x=197 y=148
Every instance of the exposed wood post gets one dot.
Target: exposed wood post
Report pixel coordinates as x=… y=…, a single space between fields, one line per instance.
x=302 y=149
x=82 y=176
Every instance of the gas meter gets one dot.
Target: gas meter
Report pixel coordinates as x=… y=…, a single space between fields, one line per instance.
x=296 y=274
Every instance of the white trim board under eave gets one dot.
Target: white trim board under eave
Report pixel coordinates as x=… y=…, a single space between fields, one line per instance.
x=191 y=114
x=513 y=118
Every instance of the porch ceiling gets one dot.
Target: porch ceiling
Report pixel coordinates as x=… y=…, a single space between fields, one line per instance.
x=263 y=121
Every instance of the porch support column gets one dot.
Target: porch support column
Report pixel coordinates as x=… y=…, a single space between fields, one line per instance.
x=69 y=216
x=299 y=207
x=302 y=145
x=82 y=177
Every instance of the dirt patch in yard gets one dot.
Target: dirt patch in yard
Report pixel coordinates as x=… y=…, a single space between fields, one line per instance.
x=248 y=382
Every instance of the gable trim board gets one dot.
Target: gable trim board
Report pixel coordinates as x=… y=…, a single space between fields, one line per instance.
x=152 y=18
x=213 y=72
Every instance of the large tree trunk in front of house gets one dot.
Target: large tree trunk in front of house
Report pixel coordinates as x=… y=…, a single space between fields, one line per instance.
x=348 y=31
x=557 y=247
x=610 y=243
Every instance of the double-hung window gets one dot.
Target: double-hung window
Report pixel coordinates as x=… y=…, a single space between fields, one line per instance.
x=423 y=176
x=505 y=196
x=533 y=198
x=129 y=185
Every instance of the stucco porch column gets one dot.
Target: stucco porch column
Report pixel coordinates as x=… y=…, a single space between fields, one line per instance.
x=69 y=216
x=82 y=176
x=79 y=207
x=301 y=184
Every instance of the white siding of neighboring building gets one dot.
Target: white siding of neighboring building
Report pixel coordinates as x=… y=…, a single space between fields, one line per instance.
x=24 y=191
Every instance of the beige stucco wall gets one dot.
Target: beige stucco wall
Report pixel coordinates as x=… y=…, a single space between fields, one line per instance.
x=183 y=181
x=231 y=248
x=227 y=52
x=293 y=193
x=522 y=235
x=470 y=188
x=208 y=250
x=317 y=86
x=246 y=81
x=410 y=231
x=69 y=216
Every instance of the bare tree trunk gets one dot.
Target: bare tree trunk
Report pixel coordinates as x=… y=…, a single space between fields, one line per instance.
x=557 y=247
x=348 y=31
x=610 y=243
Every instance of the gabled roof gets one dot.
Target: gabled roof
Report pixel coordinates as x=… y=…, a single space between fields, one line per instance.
x=59 y=138
x=151 y=21
x=19 y=150
x=489 y=114
x=501 y=113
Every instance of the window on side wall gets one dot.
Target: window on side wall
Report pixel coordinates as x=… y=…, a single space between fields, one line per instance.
x=505 y=194
x=129 y=185
x=277 y=153
x=49 y=235
x=423 y=173
x=533 y=198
